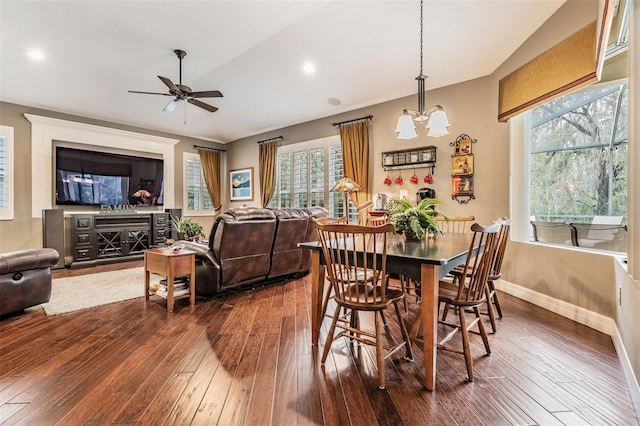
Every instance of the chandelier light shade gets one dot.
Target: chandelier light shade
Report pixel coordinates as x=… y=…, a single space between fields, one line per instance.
x=405 y=127
x=436 y=118
x=438 y=123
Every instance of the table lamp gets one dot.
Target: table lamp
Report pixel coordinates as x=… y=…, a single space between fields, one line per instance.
x=345 y=185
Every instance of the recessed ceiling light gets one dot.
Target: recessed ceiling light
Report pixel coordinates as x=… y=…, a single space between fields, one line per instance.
x=36 y=55
x=309 y=68
x=334 y=101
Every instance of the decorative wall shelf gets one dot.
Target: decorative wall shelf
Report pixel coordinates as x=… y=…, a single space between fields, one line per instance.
x=423 y=157
x=462 y=169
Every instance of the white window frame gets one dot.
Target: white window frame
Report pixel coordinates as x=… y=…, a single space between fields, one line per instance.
x=7 y=212
x=189 y=156
x=520 y=157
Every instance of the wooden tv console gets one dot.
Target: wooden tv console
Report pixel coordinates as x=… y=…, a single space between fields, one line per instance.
x=110 y=238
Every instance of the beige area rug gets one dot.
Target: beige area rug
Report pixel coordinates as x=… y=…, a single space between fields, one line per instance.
x=86 y=291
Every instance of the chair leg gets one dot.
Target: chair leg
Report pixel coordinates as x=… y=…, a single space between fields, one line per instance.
x=405 y=334
x=403 y=285
x=466 y=348
x=490 y=311
x=495 y=298
x=483 y=330
x=329 y=339
x=379 y=350
x=416 y=325
x=445 y=312
x=325 y=301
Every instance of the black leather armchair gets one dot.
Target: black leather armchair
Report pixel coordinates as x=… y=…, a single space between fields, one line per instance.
x=25 y=278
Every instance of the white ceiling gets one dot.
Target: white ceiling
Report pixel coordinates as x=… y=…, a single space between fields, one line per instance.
x=365 y=52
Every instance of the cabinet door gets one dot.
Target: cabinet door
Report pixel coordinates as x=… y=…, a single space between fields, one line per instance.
x=136 y=240
x=109 y=243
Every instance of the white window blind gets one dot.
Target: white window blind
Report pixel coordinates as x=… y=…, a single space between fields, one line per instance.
x=196 y=196
x=6 y=173
x=306 y=173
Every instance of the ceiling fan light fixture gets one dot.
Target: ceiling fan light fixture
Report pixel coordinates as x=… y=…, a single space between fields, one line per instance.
x=171 y=105
x=182 y=92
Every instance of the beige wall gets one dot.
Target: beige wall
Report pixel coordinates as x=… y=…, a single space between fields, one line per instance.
x=26 y=232
x=469 y=110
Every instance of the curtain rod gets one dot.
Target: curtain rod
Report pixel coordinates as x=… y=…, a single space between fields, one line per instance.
x=368 y=117
x=277 y=138
x=206 y=148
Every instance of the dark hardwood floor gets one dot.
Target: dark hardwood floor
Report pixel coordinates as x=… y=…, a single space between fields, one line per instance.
x=246 y=358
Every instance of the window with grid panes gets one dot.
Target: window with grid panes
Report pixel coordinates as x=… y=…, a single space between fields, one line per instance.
x=306 y=172
x=196 y=196
x=6 y=172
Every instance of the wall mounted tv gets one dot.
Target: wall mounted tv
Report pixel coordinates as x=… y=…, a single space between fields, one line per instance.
x=95 y=178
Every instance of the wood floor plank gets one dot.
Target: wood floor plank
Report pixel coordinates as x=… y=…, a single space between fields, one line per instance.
x=234 y=409
x=260 y=406
x=245 y=357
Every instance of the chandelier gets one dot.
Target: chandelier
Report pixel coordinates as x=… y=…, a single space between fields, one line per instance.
x=436 y=118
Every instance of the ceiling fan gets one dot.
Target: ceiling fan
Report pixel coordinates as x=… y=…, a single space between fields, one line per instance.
x=182 y=92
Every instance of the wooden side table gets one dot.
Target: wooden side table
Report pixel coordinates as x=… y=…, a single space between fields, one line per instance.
x=170 y=263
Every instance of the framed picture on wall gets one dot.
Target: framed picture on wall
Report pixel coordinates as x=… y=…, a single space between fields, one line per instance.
x=462 y=165
x=241 y=184
x=462 y=185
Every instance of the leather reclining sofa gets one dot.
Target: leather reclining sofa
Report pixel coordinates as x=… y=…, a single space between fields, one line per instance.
x=25 y=278
x=251 y=245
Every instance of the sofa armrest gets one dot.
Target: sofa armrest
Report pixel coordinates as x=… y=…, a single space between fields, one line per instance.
x=24 y=260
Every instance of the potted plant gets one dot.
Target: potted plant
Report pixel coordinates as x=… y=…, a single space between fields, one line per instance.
x=415 y=221
x=187 y=228
x=192 y=230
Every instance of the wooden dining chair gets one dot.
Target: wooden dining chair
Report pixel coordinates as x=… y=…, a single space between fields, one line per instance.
x=494 y=273
x=455 y=224
x=467 y=292
x=404 y=282
x=377 y=220
x=356 y=258
x=329 y=291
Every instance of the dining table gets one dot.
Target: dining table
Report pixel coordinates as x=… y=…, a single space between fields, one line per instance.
x=426 y=260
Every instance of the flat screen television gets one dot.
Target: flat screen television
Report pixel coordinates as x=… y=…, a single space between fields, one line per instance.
x=99 y=178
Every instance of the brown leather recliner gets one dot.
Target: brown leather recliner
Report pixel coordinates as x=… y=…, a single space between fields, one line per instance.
x=250 y=245
x=25 y=278
x=286 y=256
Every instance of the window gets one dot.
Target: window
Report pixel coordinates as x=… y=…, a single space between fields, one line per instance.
x=306 y=172
x=6 y=173
x=577 y=159
x=196 y=196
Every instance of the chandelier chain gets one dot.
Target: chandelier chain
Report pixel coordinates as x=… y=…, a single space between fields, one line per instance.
x=421 y=27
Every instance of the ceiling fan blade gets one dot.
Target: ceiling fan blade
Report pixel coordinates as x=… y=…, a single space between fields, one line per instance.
x=171 y=105
x=206 y=94
x=150 y=93
x=202 y=105
x=169 y=83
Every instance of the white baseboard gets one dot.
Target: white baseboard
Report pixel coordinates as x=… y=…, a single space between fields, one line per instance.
x=632 y=381
x=583 y=316
x=576 y=313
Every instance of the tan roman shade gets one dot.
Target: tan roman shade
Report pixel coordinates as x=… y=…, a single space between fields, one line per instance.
x=573 y=63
